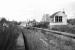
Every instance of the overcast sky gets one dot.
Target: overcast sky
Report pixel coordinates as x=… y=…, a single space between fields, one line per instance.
x=21 y=10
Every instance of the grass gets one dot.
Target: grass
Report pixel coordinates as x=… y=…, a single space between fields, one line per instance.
x=59 y=42
x=65 y=28
x=36 y=39
x=54 y=41
x=8 y=36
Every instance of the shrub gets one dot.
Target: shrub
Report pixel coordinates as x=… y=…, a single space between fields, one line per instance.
x=65 y=28
x=42 y=25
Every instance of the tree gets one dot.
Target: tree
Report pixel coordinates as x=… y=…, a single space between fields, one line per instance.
x=3 y=20
x=45 y=18
x=71 y=21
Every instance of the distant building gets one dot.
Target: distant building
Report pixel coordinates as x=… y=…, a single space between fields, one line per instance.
x=28 y=23
x=58 y=18
x=23 y=24
x=31 y=23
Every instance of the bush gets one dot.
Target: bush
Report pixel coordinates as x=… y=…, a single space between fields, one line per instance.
x=65 y=28
x=8 y=36
x=42 y=25
x=71 y=21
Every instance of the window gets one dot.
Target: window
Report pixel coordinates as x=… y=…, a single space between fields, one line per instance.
x=58 y=18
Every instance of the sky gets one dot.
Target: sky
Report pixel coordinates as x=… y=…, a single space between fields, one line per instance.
x=23 y=10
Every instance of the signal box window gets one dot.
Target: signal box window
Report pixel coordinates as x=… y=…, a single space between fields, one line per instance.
x=58 y=18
